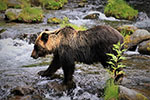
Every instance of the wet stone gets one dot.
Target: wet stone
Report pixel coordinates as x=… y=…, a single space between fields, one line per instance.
x=21 y=91
x=92 y=16
x=144 y=47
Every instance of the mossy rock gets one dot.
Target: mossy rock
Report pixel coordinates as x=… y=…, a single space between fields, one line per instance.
x=120 y=9
x=144 y=47
x=53 y=4
x=3 y=5
x=127 y=29
x=12 y=14
x=54 y=20
x=136 y=38
x=130 y=94
x=27 y=15
x=92 y=16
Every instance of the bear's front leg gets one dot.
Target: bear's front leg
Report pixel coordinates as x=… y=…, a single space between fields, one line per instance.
x=53 y=67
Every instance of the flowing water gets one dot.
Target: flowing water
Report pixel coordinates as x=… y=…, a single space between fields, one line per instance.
x=90 y=79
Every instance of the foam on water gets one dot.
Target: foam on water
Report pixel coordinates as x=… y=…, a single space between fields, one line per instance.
x=14 y=53
x=102 y=16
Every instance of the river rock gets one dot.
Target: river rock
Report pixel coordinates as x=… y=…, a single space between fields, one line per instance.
x=142 y=16
x=144 y=47
x=21 y=91
x=130 y=94
x=137 y=37
x=92 y=16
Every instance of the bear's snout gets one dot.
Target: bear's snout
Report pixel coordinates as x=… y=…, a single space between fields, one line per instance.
x=34 y=55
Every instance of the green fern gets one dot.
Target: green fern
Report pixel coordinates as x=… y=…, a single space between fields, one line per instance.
x=115 y=61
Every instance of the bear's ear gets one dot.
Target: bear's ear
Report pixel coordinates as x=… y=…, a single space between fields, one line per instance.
x=57 y=31
x=44 y=37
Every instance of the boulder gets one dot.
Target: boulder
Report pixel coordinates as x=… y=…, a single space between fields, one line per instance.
x=144 y=47
x=136 y=38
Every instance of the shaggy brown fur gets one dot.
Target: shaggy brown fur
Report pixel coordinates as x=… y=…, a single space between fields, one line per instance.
x=69 y=45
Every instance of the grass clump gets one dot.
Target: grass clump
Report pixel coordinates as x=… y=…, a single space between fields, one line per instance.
x=53 y=4
x=120 y=9
x=66 y=22
x=111 y=90
x=31 y=14
x=3 y=5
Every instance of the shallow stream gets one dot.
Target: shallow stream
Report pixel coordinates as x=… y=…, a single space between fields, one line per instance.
x=90 y=79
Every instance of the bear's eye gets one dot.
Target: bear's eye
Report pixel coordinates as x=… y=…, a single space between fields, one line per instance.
x=38 y=48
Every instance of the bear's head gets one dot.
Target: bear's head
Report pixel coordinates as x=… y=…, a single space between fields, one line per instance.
x=46 y=43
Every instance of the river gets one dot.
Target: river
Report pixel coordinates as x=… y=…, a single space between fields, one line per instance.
x=90 y=79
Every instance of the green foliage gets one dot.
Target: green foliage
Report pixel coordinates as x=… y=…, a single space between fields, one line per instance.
x=53 y=4
x=66 y=22
x=126 y=32
x=120 y=9
x=115 y=60
x=111 y=90
x=37 y=64
x=31 y=14
x=3 y=5
x=54 y=20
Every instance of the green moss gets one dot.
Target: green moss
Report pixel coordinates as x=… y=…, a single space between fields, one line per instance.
x=141 y=97
x=54 y=20
x=37 y=64
x=3 y=5
x=31 y=14
x=120 y=9
x=66 y=22
x=53 y=4
x=111 y=90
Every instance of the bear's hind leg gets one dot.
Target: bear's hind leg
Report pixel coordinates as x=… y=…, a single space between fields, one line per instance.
x=68 y=75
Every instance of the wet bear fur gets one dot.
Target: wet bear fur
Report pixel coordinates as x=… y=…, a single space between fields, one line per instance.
x=69 y=45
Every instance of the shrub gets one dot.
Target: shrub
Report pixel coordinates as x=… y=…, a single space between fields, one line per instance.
x=111 y=90
x=66 y=22
x=120 y=9
x=53 y=4
x=116 y=61
x=3 y=5
x=54 y=20
x=31 y=14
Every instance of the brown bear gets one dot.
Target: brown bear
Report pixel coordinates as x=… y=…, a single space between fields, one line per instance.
x=69 y=45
